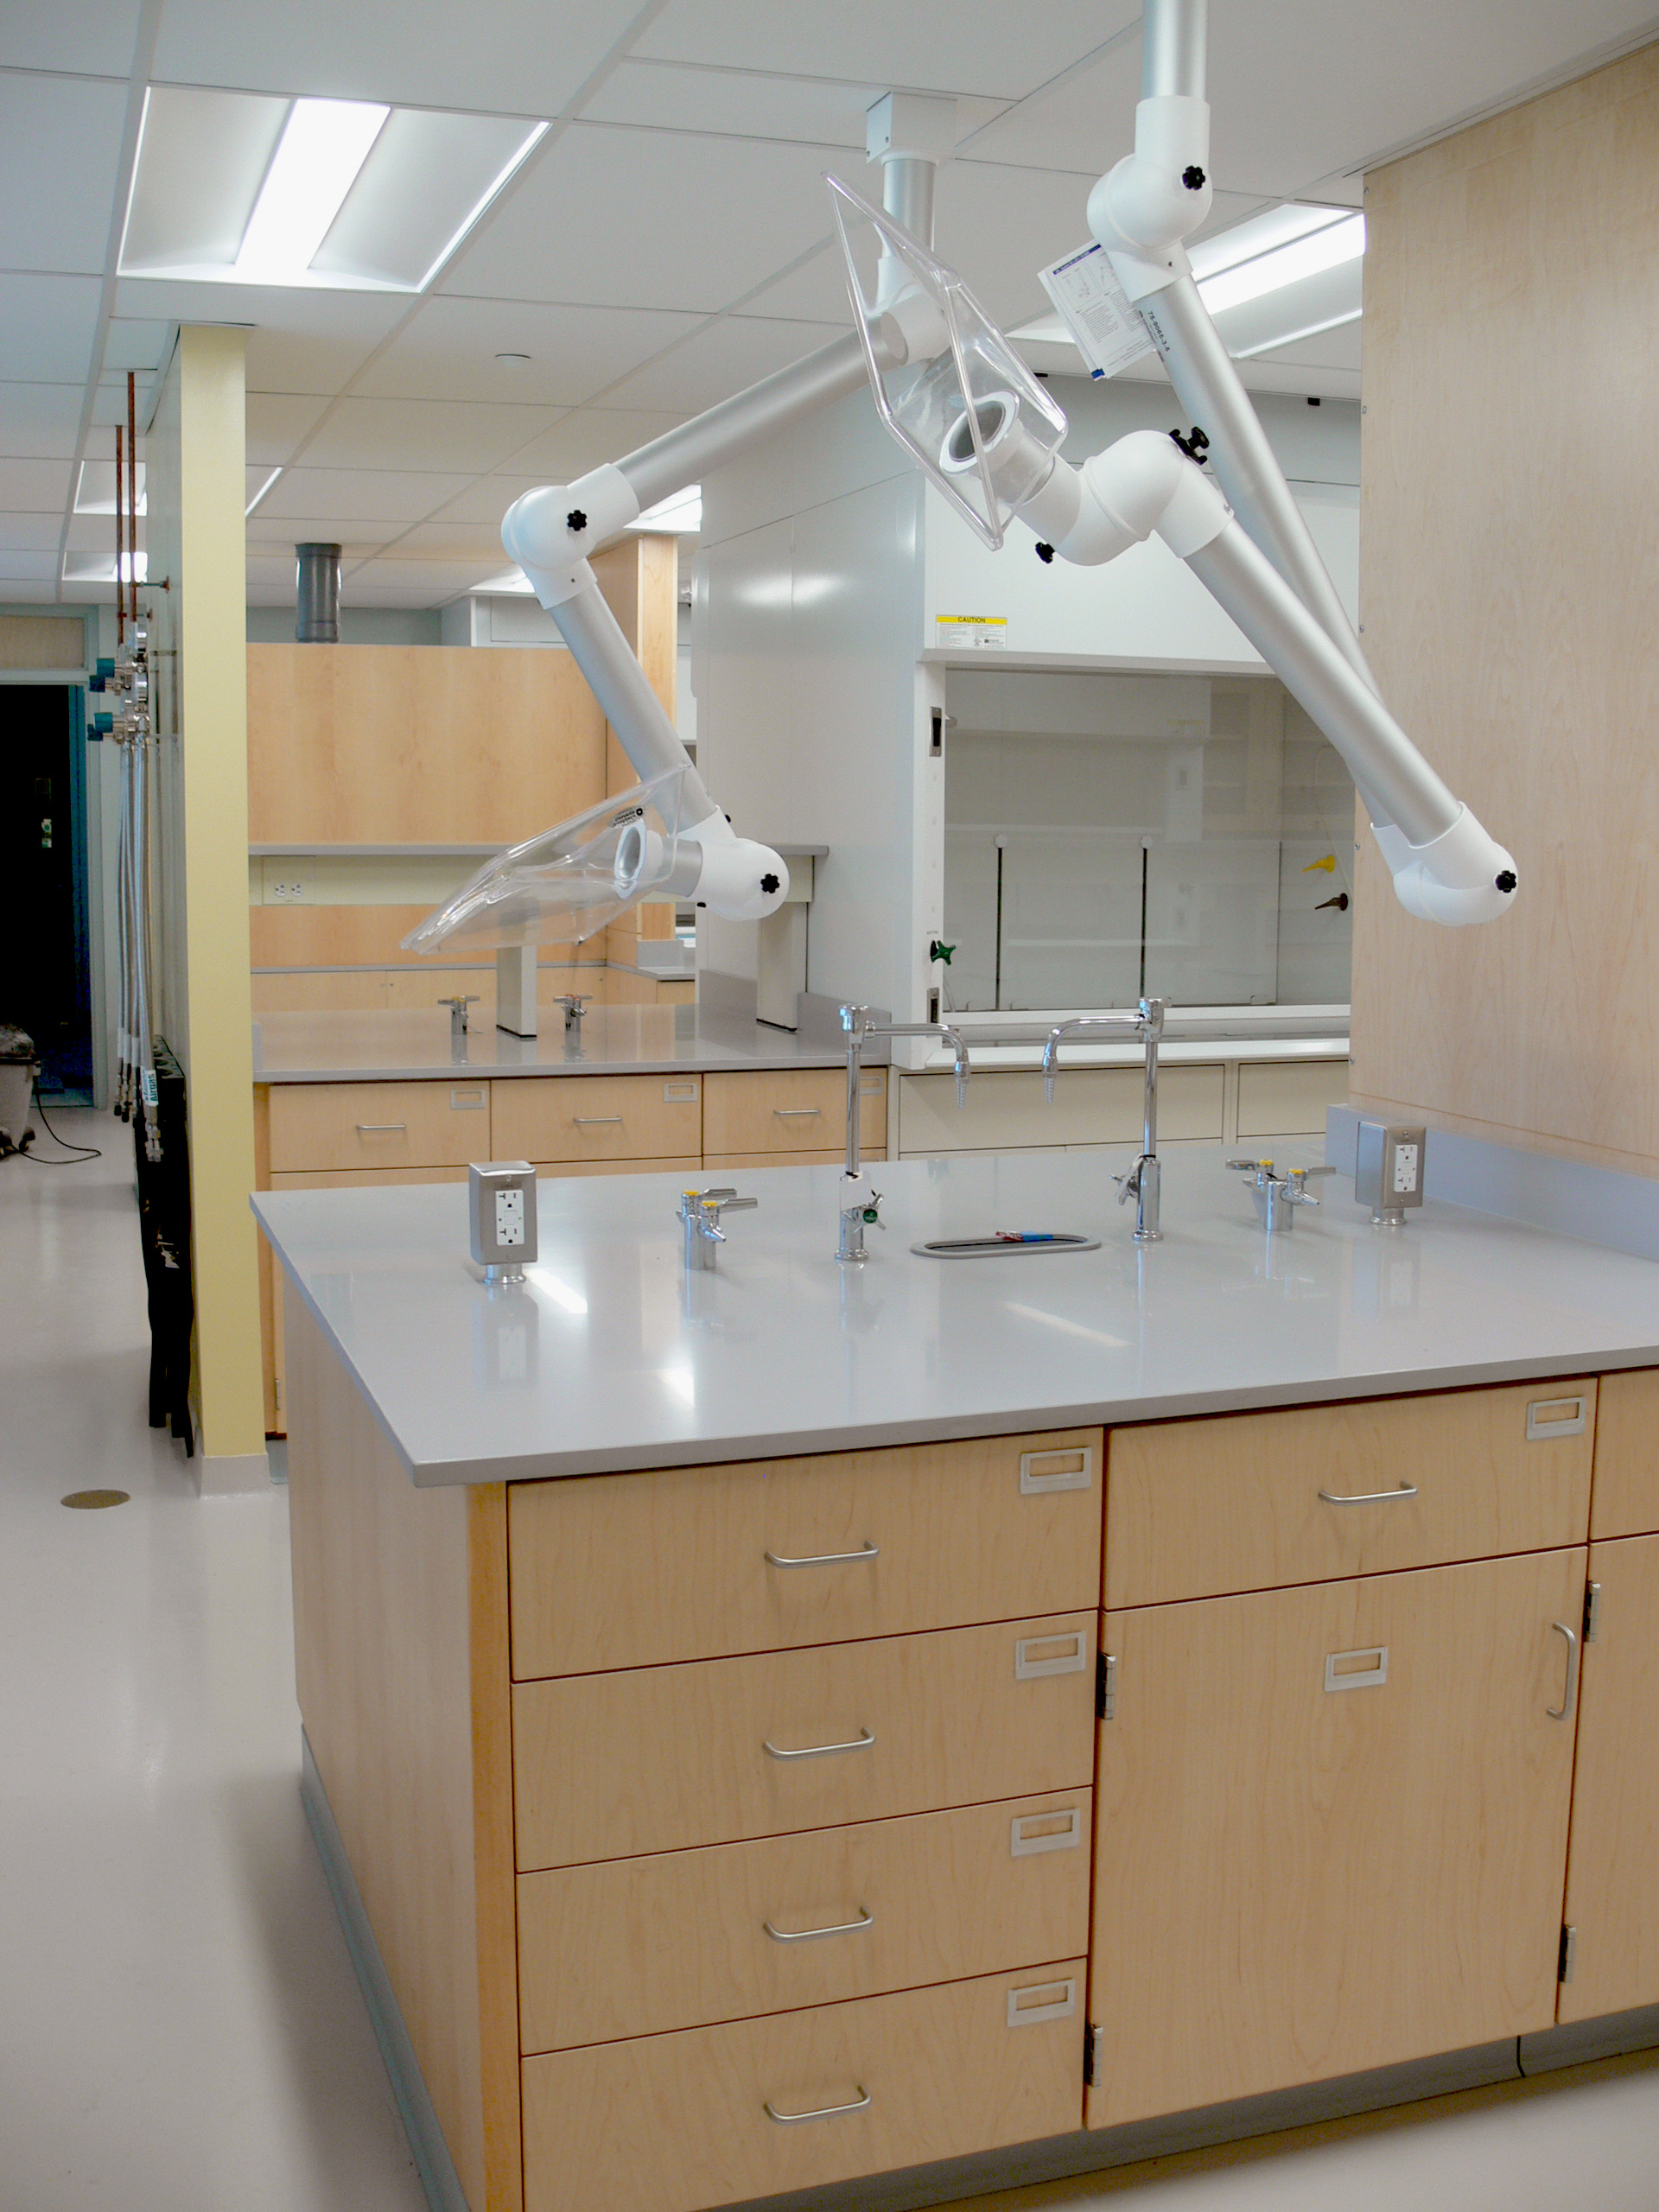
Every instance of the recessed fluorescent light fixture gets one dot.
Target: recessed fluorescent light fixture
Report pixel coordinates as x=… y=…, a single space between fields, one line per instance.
x=95 y=489
x=1328 y=247
x=681 y=513
x=99 y=568
x=323 y=146
x=261 y=492
x=347 y=195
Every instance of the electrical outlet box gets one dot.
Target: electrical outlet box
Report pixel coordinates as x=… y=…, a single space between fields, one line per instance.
x=502 y=1203
x=1388 y=1166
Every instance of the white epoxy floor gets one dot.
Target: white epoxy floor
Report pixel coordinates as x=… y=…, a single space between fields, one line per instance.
x=180 y=2029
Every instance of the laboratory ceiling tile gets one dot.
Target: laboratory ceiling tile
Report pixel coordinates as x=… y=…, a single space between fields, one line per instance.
x=1295 y=94
x=29 y=533
x=277 y=423
x=450 y=541
x=1083 y=120
x=730 y=353
x=1324 y=349
x=60 y=143
x=449 y=351
x=946 y=46
x=301 y=341
x=131 y=344
x=47 y=328
x=515 y=57
x=740 y=104
x=582 y=440
x=465 y=436
x=997 y=226
x=617 y=218
x=34 y=486
x=426 y=582
x=28 y=577
x=83 y=37
x=487 y=498
x=40 y=420
x=359 y=495
x=815 y=290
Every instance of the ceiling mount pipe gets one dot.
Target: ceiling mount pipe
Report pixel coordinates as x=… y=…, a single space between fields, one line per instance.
x=317 y=613
x=910 y=134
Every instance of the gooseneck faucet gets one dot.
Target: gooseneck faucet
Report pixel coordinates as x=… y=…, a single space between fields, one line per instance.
x=860 y=1209
x=1143 y=1181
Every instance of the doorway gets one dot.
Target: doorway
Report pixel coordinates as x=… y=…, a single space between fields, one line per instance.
x=45 y=963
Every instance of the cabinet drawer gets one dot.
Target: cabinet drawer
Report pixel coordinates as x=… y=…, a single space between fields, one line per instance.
x=599 y=1117
x=614 y=1571
x=750 y=1163
x=790 y=1110
x=638 y=1946
x=1625 y=1496
x=1253 y=1501
x=663 y=1758
x=437 y=1124
x=1005 y=1111
x=677 y=2122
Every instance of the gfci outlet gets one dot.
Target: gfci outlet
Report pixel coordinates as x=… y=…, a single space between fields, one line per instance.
x=502 y=1203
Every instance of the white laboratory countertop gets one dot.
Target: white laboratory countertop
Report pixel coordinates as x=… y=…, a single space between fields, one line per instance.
x=393 y=1046
x=1174 y=1051
x=609 y=1356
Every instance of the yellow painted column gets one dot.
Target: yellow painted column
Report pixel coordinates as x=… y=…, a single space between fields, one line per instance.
x=195 y=477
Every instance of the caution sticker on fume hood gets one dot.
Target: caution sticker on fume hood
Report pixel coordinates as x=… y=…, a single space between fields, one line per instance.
x=954 y=630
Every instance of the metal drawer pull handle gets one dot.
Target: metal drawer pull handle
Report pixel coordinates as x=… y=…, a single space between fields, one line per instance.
x=1368 y=1497
x=1065 y=1654
x=1042 y=2000
x=1548 y=1417
x=1030 y=1832
x=866 y=1550
x=382 y=1128
x=799 y=1113
x=862 y=1742
x=1071 y=1467
x=825 y=2112
x=865 y=1919
x=595 y=1121
x=1366 y=1668
x=1570 y=1689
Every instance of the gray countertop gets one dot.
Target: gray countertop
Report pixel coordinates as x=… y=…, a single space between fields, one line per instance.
x=609 y=1356
x=395 y=1045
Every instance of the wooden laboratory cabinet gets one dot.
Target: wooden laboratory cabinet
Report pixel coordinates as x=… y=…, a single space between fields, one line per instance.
x=1611 y=1953
x=731 y=1830
x=1332 y=1816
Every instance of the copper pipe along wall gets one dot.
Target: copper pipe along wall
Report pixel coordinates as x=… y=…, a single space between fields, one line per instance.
x=120 y=535
x=132 y=495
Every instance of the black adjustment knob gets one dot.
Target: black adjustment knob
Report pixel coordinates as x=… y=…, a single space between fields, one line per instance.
x=575 y=520
x=1194 y=178
x=769 y=883
x=1506 y=880
x=1045 y=553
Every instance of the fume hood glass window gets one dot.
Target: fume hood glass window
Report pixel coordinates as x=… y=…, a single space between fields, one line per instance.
x=1187 y=837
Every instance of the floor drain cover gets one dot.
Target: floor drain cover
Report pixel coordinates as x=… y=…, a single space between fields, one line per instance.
x=92 y=1497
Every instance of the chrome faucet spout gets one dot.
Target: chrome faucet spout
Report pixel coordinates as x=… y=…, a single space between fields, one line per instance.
x=1144 y=1179
x=859 y=1022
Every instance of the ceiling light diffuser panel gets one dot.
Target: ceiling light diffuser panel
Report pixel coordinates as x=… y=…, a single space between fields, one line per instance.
x=343 y=195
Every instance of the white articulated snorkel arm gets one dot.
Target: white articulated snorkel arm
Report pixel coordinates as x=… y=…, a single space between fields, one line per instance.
x=1446 y=868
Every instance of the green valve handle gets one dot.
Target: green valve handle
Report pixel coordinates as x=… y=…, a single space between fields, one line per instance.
x=103 y=724
x=937 y=949
x=106 y=668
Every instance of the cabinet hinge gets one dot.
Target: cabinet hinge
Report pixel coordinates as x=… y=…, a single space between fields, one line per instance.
x=1592 y=1611
x=1569 y=1952
x=1091 y=2036
x=1105 y=1685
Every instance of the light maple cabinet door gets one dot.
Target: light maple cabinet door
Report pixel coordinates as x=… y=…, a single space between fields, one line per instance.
x=1329 y=1829
x=1612 y=1879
